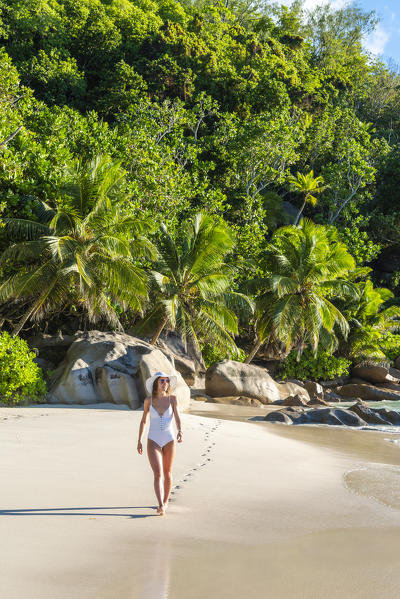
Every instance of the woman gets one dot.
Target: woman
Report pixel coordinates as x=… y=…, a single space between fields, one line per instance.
x=160 y=442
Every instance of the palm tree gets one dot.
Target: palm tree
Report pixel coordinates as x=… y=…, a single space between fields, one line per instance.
x=305 y=268
x=82 y=250
x=192 y=286
x=369 y=319
x=306 y=185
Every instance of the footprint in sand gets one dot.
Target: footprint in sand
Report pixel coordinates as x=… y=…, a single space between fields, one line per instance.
x=200 y=465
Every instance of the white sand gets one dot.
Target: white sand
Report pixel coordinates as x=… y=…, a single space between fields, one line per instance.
x=260 y=510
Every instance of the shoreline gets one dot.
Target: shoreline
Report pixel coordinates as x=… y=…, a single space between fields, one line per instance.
x=258 y=509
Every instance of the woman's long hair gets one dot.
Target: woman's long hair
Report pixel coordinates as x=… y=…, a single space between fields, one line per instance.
x=155 y=387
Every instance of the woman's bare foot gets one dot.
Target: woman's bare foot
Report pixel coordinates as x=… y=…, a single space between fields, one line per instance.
x=160 y=510
x=165 y=505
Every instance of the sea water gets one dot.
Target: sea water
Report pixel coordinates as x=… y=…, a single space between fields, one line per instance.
x=376 y=481
x=391 y=405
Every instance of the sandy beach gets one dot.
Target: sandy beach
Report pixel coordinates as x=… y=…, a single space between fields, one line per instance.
x=258 y=510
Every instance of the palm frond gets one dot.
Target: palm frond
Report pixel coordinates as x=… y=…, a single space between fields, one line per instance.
x=219 y=313
x=25 y=251
x=213 y=332
x=168 y=251
x=20 y=229
x=28 y=282
x=210 y=285
x=151 y=321
x=239 y=303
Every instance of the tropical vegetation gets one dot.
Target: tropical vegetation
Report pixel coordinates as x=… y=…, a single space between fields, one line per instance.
x=20 y=377
x=315 y=367
x=229 y=170
x=80 y=252
x=306 y=270
x=193 y=286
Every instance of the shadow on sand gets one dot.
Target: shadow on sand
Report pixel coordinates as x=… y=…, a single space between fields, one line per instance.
x=80 y=511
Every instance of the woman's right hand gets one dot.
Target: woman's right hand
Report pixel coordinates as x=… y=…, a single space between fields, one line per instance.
x=140 y=448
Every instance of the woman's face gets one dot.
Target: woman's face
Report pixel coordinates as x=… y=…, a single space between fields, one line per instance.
x=163 y=384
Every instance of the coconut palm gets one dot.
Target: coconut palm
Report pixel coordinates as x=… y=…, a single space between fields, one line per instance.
x=82 y=250
x=369 y=319
x=308 y=186
x=305 y=270
x=191 y=286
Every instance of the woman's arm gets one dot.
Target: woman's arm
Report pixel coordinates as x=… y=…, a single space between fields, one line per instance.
x=174 y=404
x=146 y=407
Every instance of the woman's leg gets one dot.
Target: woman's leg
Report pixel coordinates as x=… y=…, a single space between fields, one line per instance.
x=168 y=454
x=156 y=460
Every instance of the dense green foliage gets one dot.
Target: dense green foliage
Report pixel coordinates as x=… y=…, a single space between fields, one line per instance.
x=306 y=268
x=20 y=378
x=370 y=321
x=319 y=367
x=121 y=121
x=192 y=286
x=80 y=252
x=211 y=354
x=390 y=346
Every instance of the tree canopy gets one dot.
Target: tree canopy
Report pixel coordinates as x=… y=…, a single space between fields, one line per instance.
x=121 y=121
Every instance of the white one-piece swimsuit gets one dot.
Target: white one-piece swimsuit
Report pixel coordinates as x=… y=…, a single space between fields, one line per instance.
x=161 y=431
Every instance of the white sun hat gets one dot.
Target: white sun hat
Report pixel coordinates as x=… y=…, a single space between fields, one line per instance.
x=150 y=381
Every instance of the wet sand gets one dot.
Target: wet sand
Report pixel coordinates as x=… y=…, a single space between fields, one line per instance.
x=258 y=509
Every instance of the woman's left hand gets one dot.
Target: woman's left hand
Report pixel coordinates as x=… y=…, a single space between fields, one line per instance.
x=179 y=437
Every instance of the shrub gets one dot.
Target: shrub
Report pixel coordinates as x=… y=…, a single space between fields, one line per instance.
x=20 y=377
x=390 y=345
x=322 y=366
x=211 y=354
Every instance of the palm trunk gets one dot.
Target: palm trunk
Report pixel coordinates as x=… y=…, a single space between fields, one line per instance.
x=26 y=316
x=158 y=331
x=253 y=352
x=297 y=219
x=194 y=347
